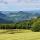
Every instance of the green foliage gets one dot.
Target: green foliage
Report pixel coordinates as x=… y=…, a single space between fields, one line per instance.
x=19 y=25
x=27 y=24
x=36 y=25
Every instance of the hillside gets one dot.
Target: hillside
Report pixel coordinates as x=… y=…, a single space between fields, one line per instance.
x=18 y=16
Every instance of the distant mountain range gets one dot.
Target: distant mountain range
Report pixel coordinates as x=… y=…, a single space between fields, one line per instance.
x=15 y=16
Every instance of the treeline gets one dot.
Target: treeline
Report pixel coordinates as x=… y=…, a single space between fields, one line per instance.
x=19 y=25
x=33 y=24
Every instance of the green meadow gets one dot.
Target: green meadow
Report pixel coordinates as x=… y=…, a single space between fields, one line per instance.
x=19 y=34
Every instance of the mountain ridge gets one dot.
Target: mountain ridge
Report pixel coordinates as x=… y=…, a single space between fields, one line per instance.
x=18 y=16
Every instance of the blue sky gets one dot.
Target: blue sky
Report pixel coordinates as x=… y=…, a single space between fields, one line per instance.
x=17 y=5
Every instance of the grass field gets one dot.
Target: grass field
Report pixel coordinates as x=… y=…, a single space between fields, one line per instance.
x=19 y=35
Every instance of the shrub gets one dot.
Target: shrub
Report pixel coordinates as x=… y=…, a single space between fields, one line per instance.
x=36 y=26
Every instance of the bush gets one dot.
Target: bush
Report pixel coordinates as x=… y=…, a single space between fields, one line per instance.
x=36 y=26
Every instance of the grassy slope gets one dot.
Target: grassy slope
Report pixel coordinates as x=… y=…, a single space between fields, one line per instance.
x=26 y=35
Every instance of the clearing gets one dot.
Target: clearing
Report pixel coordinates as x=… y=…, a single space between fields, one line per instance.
x=19 y=35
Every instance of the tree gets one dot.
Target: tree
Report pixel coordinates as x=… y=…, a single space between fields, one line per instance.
x=36 y=26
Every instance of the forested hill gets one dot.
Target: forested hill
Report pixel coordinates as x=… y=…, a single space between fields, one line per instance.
x=16 y=16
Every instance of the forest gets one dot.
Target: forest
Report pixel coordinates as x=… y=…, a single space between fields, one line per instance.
x=33 y=24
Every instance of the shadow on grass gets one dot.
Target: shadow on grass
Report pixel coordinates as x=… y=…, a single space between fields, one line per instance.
x=10 y=31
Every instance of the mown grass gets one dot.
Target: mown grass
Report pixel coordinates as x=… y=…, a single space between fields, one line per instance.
x=19 y=35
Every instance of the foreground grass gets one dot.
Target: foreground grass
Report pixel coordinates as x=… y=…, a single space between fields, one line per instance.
x=19 y=35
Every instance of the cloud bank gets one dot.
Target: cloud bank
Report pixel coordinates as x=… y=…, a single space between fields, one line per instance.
x=13 y=5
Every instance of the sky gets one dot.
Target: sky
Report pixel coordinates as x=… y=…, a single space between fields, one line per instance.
x=19 y=5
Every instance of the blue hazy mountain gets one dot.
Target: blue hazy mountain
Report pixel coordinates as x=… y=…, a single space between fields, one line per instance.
x=4 y=18
x=15 y=16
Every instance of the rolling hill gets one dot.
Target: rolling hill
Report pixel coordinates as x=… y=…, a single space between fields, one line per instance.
x=14 y=16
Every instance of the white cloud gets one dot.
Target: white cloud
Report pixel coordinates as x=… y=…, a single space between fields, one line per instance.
x=19 y=4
